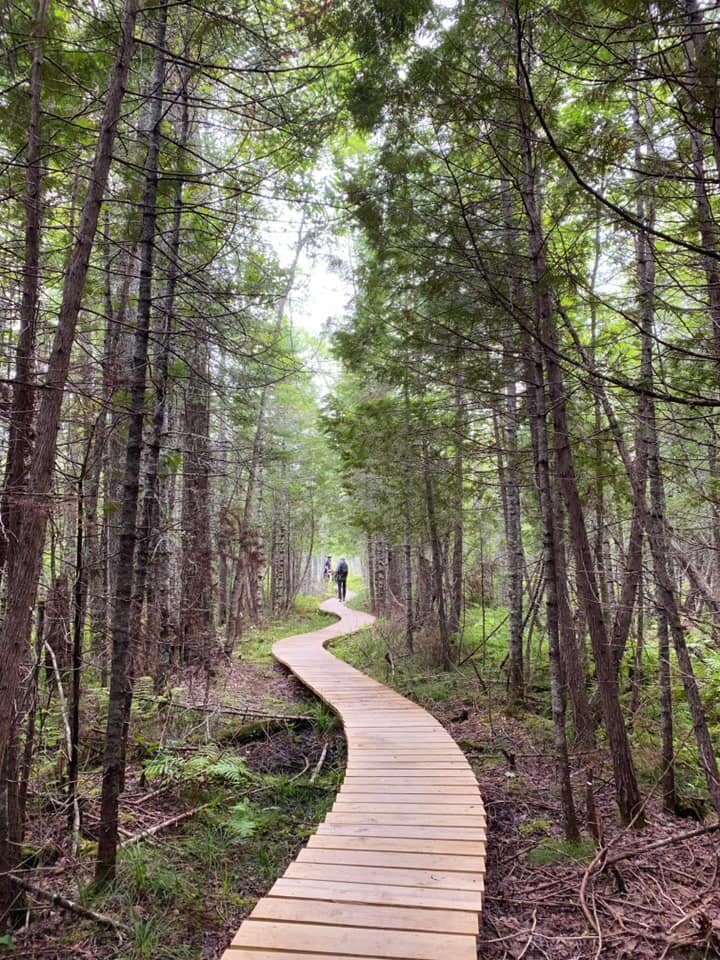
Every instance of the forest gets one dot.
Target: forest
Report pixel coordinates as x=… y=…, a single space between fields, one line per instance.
x=430 y=284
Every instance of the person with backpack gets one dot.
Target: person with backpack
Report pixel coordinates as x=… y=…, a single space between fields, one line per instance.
x=341 y=575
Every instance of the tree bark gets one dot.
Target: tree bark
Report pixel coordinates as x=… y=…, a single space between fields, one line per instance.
x=456 y=607
x=23 y=575
x=626 y=787
x=545 y=497
x=150 y=522
x=436 y=560
x=513 y=537
x=120 y=690
x=22 y=406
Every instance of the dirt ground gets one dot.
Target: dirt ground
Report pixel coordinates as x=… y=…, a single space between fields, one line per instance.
x=544 y=901
x=659 y=904
x=286 y=751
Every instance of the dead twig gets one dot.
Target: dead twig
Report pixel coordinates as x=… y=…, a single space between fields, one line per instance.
x=318 y=766
x=64 y=904
x=304 y=770
x=675 y=838
x=530 y=937
x=151 y=831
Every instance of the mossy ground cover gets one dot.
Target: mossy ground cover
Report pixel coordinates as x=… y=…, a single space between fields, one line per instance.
x=534 y=874
x=480 y=676
x=184 y=892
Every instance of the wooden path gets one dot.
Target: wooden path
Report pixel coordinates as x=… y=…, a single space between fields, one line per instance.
x=396 y=870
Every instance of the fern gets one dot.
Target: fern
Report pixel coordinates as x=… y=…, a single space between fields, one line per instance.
x=241 y=823
x=231 y=770
x=207 y=766
x=164 y=766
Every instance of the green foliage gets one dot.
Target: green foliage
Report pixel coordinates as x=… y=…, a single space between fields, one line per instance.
x=324 y=719
x=208 y=765
x=146 y=938
x=531 y=828
x=144 y=874
x=217 y=835
x=7 y=944
x=561 y=851
x=304 y=618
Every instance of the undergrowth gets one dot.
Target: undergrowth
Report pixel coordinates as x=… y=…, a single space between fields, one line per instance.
x=183 y=892
x=478 y=680
x=305 y=617
x=208 y=874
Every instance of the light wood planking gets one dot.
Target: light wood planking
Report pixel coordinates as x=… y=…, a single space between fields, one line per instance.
x=396 y=871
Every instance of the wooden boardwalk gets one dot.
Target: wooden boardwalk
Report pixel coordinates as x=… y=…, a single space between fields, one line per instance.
x=396 y=870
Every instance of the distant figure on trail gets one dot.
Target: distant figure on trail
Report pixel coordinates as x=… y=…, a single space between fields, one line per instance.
x=327 y=569
x=341 y=574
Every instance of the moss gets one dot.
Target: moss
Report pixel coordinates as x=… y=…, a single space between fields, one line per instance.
x=531 y=827
x=561 y=851
x=304 y=618
x=540 y=729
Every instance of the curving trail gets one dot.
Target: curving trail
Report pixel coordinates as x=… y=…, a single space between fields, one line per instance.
x=396 y=870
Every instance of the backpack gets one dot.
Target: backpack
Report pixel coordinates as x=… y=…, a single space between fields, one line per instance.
x=341 y=569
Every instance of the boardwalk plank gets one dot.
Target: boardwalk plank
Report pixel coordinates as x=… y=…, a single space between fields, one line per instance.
x=396 y=871
x=373 y=894
x=386 y=876
x=335 y=841
x=366 y=915
x=379 y=858
x=362 y=941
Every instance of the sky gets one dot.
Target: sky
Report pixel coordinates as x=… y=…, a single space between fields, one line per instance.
x=322 y=292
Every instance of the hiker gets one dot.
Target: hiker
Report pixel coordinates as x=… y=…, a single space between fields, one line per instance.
x=341 y=573
x=327 y=570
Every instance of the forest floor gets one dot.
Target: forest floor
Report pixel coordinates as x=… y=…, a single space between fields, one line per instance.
x=181 y=894
x=184 y=892
x=547 y=899
x=659 y=903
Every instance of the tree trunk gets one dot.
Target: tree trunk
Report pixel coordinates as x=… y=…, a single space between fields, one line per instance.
x=151 y=501
x=436 y=560
x=278 y=562
x=657 y=527
x=23 y=396
x=513 y=537
x=626 y=787
x=23 y=575
x=109 y=433
x=78 y=630
x=545 y=497
x=456 y=606
x=120 y=688
x=20 y=439
x=572 y=654
x=407 y=525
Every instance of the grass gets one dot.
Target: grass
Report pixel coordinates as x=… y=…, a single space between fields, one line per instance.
x=304 y=618
x=209 y=874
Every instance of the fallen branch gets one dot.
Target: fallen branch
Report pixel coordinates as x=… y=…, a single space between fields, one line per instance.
x=676 y=838
x=64 y=904
x=319 y=764
x=143 y=798
x=246 y=714
x=159 y=827
x=304 y=770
